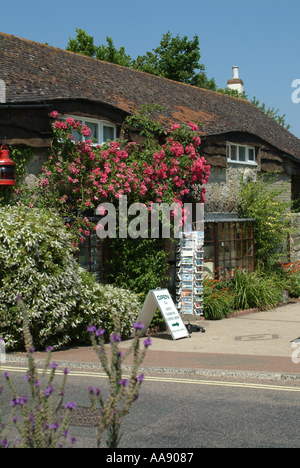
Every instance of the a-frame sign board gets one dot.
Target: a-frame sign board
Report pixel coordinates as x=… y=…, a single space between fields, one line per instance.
x=161 y=298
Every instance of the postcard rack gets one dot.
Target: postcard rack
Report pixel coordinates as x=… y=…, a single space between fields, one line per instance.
x=189 y=271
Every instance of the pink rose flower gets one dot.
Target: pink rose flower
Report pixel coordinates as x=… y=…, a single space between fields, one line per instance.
x=44 y=182
x=70 y=121
x=86 y=131
x=54 y=114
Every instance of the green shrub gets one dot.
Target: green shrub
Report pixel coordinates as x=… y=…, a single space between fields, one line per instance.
x=37 y=262
x=265 y=201
x=259 y=289
x=138 y=264
x=288 y=275
x=217 y=299
x=254 y=290
x=100 y=303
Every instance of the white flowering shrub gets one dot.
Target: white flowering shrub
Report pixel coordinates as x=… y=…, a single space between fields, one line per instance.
x=102 y=304
x=37 y=262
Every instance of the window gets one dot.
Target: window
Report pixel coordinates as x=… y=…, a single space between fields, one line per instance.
x=240 y=154
x=93 y=256
x=102 y=130
x=228 y=245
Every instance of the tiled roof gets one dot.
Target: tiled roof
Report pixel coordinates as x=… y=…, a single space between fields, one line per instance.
x=36 y=72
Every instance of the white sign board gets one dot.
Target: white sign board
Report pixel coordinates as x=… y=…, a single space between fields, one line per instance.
x=161 y=298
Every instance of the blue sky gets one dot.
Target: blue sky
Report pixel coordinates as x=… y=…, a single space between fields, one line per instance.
x=260 y=36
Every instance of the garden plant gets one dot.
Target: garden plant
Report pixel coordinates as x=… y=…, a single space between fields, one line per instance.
x=80 y=175
x=261 y=289
x=37 y=261
x=34 y=420
x=265 y=201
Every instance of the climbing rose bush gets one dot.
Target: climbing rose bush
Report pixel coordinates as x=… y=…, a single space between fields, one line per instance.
x=79 y=175
x=37 y=263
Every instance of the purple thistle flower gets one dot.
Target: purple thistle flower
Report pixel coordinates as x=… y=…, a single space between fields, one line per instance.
x=49 y=348
x=23 y=400
x=37 y=383
x=31 y=350
x=100 y=331
x=115 y=338
x=97 y=391
x=4 y=443
x=70 y=405
x=91 y=389
x=138 y=326
x=73 y=440
x=124 y=382
x=48 y=391
x=147 y=342
x=6 y=375
x=53 y=365
x=91 y=328
x=55 y=426
x=19 y=401
x=26 y=376
x=140 y=378
x=66 y=371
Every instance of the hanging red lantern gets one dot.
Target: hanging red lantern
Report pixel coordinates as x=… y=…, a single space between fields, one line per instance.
x=7 y=167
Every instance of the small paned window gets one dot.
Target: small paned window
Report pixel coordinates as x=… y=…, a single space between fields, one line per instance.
x=102 y=131
x=240 y=154
x=228 y=246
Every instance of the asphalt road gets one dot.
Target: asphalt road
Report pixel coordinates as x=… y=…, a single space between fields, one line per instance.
x=187 y=411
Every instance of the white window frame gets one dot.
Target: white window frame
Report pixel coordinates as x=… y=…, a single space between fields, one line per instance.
x=237 y=161
x=100 y=131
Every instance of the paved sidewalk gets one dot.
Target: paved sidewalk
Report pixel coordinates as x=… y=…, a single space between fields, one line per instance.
x=257 y=343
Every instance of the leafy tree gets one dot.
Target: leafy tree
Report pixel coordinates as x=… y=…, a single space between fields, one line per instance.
x=110 y=54
x=233 y=93
x=84 y=44
x=176 y=59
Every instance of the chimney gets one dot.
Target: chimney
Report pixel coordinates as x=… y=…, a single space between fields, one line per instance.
x=235 y=82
